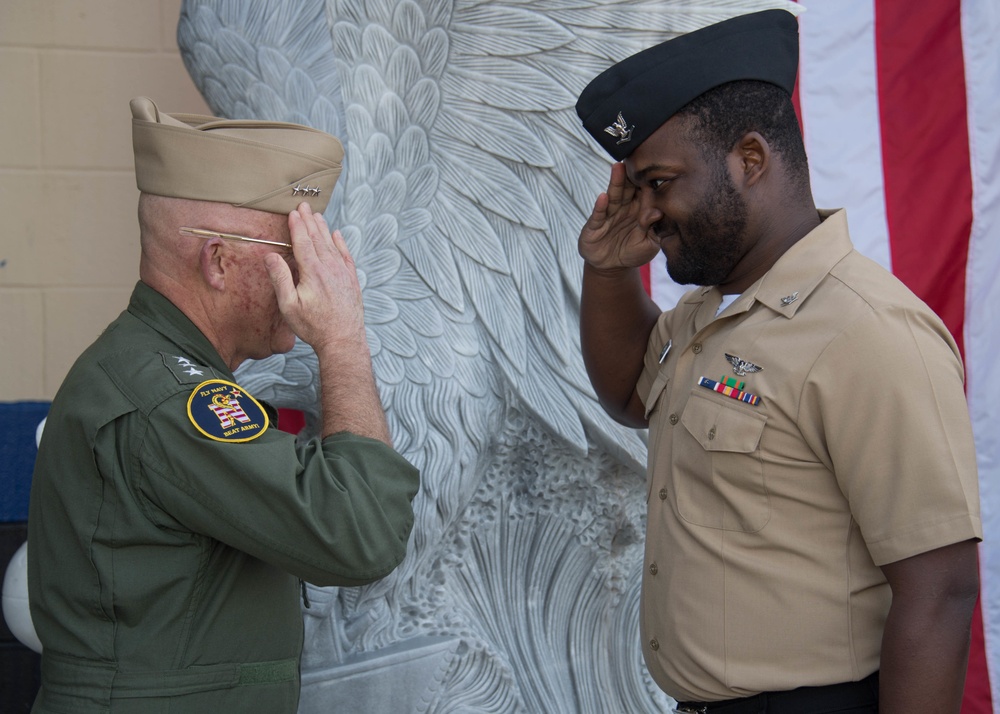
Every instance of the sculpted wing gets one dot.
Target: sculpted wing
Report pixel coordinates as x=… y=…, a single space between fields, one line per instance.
x=466 y=181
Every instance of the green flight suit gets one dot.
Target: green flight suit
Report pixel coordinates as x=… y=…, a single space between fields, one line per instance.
x=165 y=553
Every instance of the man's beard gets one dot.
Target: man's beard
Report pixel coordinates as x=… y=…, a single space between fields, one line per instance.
x=711 y=243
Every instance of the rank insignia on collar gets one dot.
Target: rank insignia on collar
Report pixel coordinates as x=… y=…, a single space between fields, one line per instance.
x=789 y=299
x=185 y=371
x=224 y=411
x=742 y=367
x=621 y=129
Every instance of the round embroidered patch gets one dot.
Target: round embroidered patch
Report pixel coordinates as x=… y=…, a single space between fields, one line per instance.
x=226 y=412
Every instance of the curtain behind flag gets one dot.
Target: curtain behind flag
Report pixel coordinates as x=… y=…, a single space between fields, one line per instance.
x=900 y=106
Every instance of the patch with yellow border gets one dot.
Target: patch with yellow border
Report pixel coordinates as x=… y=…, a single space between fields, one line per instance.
x=224 y=411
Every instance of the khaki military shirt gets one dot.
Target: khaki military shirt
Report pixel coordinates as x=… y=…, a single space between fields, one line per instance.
x=170 y=525
x=829 y=436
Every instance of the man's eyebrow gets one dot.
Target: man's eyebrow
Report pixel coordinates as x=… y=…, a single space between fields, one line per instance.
x=657 y=167
x=640 y=175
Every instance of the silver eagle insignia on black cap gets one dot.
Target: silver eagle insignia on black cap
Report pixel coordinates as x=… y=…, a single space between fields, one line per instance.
x=621 y=129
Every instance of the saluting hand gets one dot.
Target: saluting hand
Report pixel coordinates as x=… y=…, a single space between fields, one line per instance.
x=612 y=238
x=324 y=308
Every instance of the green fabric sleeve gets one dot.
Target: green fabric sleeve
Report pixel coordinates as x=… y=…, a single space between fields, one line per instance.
x=334 y=512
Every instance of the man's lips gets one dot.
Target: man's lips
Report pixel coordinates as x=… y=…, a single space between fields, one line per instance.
x=664 y=238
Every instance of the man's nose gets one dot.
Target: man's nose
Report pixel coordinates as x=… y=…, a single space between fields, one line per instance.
x=649 y=213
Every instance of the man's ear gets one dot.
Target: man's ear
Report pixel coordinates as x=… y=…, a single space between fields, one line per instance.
x=211 y=261
x=754 y=156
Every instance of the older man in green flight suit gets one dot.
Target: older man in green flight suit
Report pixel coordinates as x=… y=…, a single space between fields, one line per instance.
x=171 y=524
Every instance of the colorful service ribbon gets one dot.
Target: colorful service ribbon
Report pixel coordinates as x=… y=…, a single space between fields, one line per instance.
x=729 y=390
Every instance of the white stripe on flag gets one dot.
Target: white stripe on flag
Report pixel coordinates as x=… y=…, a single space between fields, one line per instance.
x=839 y=99
x=664 y=291
x=980 y=33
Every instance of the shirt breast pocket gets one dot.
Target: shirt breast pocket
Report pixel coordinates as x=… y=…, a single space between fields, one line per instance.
x=719 y=474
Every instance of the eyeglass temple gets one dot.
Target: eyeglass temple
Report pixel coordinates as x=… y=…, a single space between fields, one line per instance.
x=201 y=233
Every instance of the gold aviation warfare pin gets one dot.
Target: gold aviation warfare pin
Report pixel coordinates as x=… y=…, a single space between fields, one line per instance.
x=224 y=411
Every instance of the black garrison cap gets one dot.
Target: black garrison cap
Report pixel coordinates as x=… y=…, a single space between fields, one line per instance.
x=630 y=100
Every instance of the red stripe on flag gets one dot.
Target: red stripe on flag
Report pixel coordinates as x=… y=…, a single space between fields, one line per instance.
x=928 y=187
x=925 y=151
x=646 y=281
x=798 y=104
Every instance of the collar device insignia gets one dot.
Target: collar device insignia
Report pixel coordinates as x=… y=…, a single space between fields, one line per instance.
x=185 y=370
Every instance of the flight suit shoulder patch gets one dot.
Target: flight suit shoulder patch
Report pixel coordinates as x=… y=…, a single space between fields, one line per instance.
x=224 y=411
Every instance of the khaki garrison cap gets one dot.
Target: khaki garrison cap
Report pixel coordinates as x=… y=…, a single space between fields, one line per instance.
x=264 y=165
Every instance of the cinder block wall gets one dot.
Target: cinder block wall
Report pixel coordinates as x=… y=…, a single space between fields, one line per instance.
x=68 y=230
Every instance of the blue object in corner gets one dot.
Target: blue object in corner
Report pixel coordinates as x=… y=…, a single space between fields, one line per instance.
x=18 y=422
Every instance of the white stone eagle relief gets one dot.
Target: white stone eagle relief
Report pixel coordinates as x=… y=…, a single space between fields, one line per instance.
x=466 y=181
